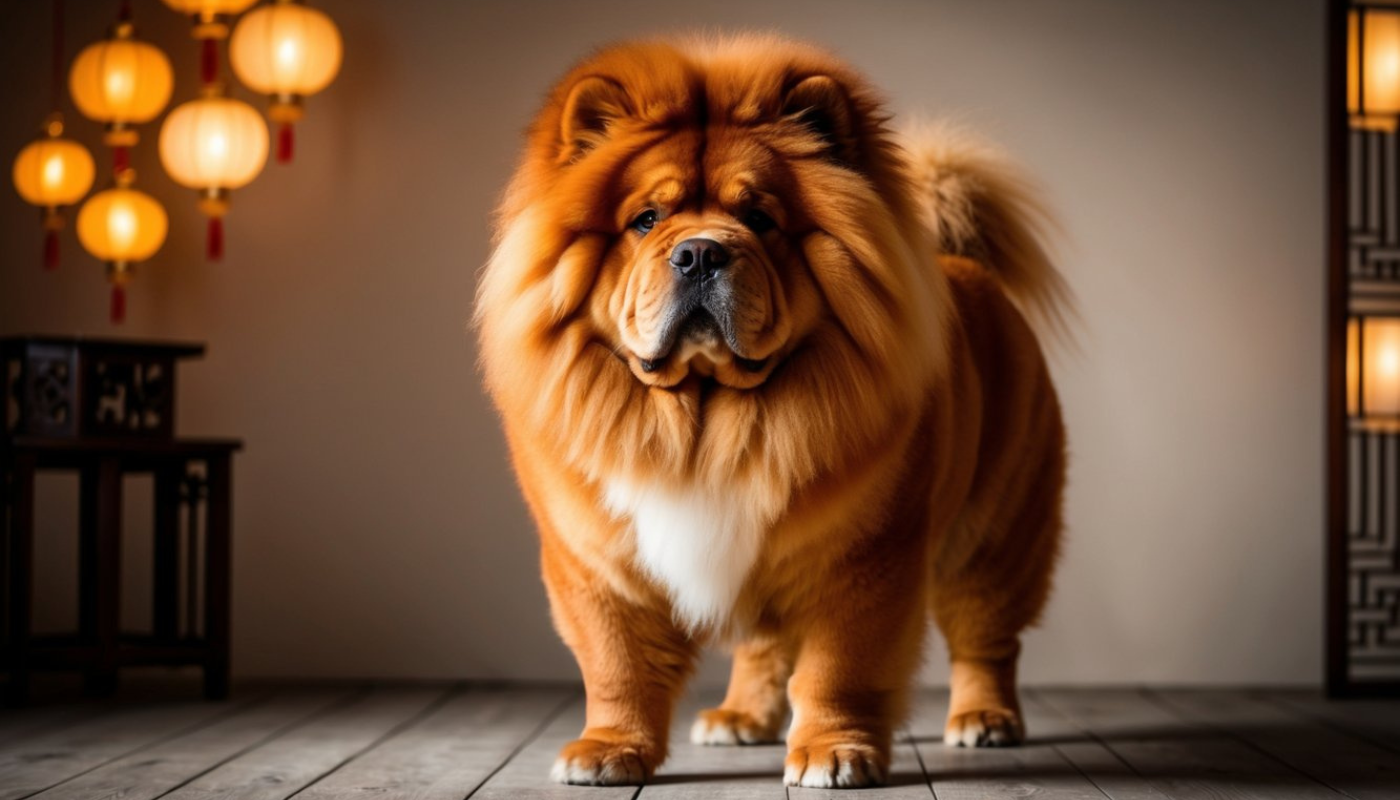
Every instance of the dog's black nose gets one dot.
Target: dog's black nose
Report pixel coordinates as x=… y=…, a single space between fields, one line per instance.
x=699 y=258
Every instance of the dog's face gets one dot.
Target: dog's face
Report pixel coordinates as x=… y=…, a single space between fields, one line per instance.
x=705 y=204
x=705 y=276
x=708 y=251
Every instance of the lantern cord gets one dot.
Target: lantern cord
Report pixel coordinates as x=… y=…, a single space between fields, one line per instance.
x=214 y=241
x=51 y=249
x=121 y=160
x=209 y=60
x=124 y=11
x=55 y=88
x=118 y=310
x=285 y=142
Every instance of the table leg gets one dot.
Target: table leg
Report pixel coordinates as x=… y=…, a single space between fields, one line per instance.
x=19 y=569
x=218 y=557
x=165 y=599
x=100 y=521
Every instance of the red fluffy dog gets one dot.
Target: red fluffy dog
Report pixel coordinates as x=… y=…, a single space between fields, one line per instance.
x=765 y=384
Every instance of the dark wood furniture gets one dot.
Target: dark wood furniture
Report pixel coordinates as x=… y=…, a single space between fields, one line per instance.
x=106 y=409
x=1363 y=282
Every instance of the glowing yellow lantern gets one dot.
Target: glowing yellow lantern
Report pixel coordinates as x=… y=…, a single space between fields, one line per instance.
x=52 y=172
x=288 y=51
x=214 y=144
x=122 y=226
x=1373 y=367
x=207 y=12
x=210 y=28
x=121 y=82
x=1373 y=68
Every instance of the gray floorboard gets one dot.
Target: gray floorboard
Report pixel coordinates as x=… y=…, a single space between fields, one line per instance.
x=447 y=754
x=1377 y=721
x=526 y=776
x=1091 y=757
x=498 y=743
x=285 y=765
x=156 y=770
x=23 y=723
x=1343 y=762
x=1179 y=758
x=957 y=773
x=31 y=764
x=695 y=771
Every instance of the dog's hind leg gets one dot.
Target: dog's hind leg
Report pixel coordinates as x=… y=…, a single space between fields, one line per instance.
x=989 y=585
x=756 y=704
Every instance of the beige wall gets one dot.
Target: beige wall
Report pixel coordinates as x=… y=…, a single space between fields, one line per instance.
x=379 y=532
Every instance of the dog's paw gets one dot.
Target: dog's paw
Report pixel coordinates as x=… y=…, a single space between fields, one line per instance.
x=589 y=762
x=720 y=726
x=840 y=766
x=996 y=727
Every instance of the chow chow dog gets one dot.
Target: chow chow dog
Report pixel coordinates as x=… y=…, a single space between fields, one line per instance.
x=768 y=381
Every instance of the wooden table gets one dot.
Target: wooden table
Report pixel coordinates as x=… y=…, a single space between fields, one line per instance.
x=192 y=484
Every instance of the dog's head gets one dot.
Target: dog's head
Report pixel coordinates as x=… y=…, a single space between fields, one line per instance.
x=728 y=223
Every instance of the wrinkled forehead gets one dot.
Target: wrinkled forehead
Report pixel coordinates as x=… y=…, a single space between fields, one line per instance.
x=717 y=165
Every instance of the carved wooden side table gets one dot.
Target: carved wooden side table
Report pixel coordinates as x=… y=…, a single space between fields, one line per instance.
x=106 y=408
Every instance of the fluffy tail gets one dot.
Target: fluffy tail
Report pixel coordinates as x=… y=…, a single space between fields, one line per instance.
x=979 y=205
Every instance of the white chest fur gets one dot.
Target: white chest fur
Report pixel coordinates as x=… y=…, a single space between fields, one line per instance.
x=700 y=544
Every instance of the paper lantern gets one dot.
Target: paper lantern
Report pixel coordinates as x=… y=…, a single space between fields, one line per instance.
x=214 y=144
x=287 y=51
x=52 y=172
x=210 y=28
x=1373 y=367
x=1373 y=68
x=122 y=226
x=207 y=11
x=121 y=82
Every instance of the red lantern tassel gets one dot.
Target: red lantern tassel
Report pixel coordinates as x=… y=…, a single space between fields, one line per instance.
x=118 y=304
x=121 y=160
x=214 y=241
x=209 y=60
x=284 y=142
x=51 y=250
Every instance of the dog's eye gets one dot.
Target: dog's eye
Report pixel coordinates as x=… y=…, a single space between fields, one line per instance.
x=759 y=222
x=644 y=222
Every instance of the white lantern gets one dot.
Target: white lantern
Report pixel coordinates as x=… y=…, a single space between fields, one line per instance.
x=287 y=51
x=214 y=144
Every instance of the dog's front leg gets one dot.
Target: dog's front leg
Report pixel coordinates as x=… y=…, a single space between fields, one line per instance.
x=850 y=687
x=635 y=662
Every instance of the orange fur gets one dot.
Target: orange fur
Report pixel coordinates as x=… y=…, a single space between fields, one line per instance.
x=867 y=436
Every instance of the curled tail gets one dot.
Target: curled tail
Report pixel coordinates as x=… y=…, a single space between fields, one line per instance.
x=978 y=204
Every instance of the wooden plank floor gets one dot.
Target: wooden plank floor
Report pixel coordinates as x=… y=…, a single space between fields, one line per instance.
x=455 y=742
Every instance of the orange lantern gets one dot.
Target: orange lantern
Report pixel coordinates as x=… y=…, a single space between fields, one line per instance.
x=1373 y=68
x=1373 y=367
x=52 y=172
x=214 y=144
x=121 y=82
x=122 y=226
x=287 y=51
x=210 y=27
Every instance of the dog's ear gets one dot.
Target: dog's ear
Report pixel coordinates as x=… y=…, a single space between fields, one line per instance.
x=594 y=104
x=823 y=106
